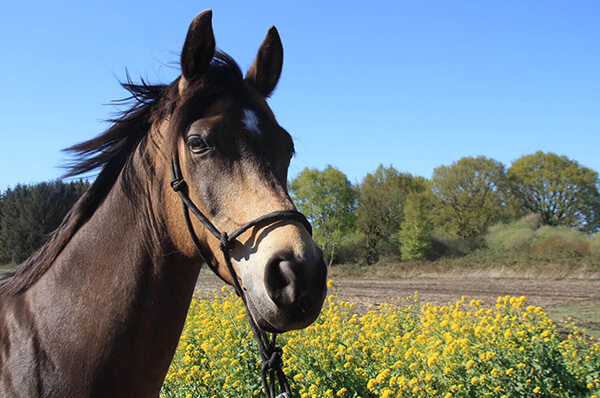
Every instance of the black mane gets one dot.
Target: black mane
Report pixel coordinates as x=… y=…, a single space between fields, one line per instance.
x=112 y=151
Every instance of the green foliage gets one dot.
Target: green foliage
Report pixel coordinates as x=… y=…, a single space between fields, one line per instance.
x=328 y=200
x=4 y=254
x=381 y=202
x=403 y=348
x=351 y=249
x=415 y=232
x=30 y=212
x=595 y=247
x=516 y=235
x=469 y=194
x=557 y=188
x=444 y=244
x=545 y=243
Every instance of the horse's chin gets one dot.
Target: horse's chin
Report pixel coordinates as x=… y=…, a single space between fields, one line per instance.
x=272 y=319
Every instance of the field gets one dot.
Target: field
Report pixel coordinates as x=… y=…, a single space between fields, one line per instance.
x=457 y=337
x=575 y=298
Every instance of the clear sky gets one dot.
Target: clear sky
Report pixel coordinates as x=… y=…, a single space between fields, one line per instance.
x=414 y=84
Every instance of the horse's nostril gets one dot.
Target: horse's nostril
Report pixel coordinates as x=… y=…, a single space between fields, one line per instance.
x=280 y=281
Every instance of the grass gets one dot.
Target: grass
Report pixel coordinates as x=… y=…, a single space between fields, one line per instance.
x=586 y=316
x=7 y=267
x=476 y=266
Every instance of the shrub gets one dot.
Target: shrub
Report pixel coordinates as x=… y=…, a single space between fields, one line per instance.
x=545 y=243
x=415 y=232
x=351 y=249
x=517 y=235
x=444 y=244
x=500 y=239
x=551 y=242
x=594 y=247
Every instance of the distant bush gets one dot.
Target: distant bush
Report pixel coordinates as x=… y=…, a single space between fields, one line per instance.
x=444 y=244
x=509 y=238
x=595 y=247
x=351 y=250
x=560 y=241
x=512 y=236
x=545 y=243
x=566 y=234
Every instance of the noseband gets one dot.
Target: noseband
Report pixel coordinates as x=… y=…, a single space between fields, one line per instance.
x=269 y=352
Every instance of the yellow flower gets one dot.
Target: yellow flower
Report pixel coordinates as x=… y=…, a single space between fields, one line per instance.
x=371 y=384
x=387 y=393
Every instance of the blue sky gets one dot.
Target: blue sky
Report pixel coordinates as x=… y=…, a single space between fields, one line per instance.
x=412 y=84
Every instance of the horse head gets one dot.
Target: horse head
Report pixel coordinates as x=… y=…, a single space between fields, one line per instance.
x=234 y=157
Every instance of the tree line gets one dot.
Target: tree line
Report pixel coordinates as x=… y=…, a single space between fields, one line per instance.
x=28 y=213
x=389 y=213
x=399 y=214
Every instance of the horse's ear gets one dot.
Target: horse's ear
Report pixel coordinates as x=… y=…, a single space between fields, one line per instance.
x=199 y=47
x=266 y=69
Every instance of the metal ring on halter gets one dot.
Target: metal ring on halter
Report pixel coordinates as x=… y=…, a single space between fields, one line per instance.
x=269 y=352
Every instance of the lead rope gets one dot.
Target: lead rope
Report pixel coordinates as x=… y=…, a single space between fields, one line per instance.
x=270 y=353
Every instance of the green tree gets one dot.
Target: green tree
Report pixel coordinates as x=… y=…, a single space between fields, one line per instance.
x=31 y=212
x=4 y=255
x=557 y=188
x=328 y=200
x=415 y=232
x=380 y=207
x=470 y=194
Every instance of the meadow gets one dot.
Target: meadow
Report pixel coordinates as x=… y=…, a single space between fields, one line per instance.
x=403 y=347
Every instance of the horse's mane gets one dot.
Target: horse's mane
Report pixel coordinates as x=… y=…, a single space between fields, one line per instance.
x=112 y=151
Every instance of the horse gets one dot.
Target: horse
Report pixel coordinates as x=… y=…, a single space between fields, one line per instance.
x=98 y=310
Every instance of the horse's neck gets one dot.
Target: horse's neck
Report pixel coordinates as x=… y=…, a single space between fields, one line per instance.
x=112 y=306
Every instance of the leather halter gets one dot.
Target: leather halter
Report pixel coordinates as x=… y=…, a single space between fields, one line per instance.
x=269 y=352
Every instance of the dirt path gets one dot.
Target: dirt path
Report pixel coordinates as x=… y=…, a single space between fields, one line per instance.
x=441 y=291
x=559 y=298
x=364 y=292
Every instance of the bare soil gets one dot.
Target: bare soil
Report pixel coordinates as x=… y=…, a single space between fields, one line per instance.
x=578 y=298
x=370 y=291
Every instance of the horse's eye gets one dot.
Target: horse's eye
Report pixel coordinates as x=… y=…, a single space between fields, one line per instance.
x=197 y=144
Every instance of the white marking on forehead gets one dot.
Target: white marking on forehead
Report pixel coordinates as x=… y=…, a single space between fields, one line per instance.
x=251 y=121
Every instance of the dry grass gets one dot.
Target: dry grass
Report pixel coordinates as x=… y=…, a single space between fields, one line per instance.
x=467 y=268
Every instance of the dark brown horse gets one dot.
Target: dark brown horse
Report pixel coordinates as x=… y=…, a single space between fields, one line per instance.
x=98 y=310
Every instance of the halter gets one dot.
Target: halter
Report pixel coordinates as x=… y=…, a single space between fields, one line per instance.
x=269 y=352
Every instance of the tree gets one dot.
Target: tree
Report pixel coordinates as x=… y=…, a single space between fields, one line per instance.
x=470 y=194
x=381 y=203
x=4 y=255
x=328 y=200
x=31 y=212
x=415 y=232
x=557 y=188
